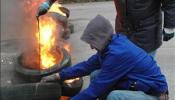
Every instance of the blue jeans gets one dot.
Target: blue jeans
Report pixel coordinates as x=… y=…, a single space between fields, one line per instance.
x=126 y=94
x=129 y=95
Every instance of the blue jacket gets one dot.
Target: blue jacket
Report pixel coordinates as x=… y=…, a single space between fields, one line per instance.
x=120 y=59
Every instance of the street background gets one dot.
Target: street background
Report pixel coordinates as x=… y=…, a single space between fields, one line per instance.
x=80 y=15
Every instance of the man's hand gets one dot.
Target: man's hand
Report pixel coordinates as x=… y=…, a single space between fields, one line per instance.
x=43 y=8
x=168 y=34
x=50 y=78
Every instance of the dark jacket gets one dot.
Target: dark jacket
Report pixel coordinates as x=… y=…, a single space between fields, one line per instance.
x=141 y=20
x=121 y=58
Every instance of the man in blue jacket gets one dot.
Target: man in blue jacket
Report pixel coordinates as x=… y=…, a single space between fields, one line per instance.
x=127 y=72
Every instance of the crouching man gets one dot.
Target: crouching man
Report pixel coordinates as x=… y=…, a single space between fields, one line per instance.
x=126 y=71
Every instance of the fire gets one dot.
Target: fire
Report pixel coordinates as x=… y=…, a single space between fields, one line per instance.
x=71 y=80
x=47 y=41
x=64 y=98
x=46 y=50
x=55 y=8
x=67 y=47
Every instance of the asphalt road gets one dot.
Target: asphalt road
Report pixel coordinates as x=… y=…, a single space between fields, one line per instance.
x=80 y=16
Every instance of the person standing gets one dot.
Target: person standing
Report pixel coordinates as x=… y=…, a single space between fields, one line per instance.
x=141 y=21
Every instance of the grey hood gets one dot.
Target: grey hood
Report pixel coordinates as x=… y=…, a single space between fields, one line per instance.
x=98 y=32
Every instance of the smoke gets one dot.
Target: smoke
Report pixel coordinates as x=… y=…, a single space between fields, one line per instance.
x=12 y=19
x=18 y=21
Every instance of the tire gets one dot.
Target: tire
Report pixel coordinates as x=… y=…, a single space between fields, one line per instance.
x=72 y=89
x=44 y=91
x=32 y=75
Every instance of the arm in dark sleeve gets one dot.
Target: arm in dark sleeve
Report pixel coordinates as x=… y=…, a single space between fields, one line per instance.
x=112 y=70
x=80 y=69
x=168 y=6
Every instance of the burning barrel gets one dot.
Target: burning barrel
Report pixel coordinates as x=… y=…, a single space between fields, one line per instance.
x=32 y=71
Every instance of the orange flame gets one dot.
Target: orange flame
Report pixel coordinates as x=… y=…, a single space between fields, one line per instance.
x=55 y=8
x=71 y=80
x=47 y=40
x=67 y=47
x=64 y=98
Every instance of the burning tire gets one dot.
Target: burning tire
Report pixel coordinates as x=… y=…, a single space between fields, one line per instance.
x=33 y=75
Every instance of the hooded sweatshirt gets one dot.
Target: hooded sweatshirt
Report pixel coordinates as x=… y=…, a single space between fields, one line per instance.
x=120 y=59
x=98 y=32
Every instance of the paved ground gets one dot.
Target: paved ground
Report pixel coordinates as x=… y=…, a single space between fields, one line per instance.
x=80 y=16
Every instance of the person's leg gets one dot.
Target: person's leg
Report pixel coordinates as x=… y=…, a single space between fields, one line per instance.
x=129 y=95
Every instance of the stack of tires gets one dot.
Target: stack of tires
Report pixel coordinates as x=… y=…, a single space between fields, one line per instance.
x=31 y=89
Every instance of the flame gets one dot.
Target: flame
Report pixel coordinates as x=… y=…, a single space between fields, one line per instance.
x=67 y=47
x=47 y=40
x=55 y=8
x=71 y=80
x=64 y=98
x=46 y=51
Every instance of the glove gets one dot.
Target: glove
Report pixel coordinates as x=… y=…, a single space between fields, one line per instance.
x=168 y=34
x=51 y=78
x=44 y=7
